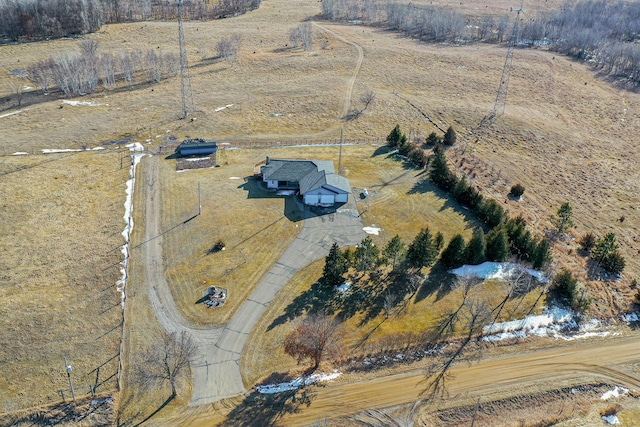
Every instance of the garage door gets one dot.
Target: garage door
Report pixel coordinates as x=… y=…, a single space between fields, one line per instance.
x=326 y=199
x=311 y=199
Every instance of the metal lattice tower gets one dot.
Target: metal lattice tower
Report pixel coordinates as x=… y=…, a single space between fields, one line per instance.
x=501 y=97
x=185 y=80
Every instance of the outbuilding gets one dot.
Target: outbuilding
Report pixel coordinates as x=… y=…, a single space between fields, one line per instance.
x=196 y=146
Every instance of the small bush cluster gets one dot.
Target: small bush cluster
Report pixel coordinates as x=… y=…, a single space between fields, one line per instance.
x=396 y=139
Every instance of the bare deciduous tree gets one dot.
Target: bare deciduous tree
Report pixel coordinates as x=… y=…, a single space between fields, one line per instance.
x=313 y=338
x=228 y=46
x=167 y=359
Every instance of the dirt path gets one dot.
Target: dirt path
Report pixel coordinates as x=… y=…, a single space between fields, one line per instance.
x=216 y=369
x=349 y=92
x=594 y=361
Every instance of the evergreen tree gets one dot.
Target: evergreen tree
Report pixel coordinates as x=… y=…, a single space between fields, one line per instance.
x=394 y=137
x=335 y=267
x=604 y=247
x=614 y=263
x=366 y=254
x=542 y=254
x=490 y=212
x=432 y=139
x=439 y=241
x=562 y=220
x=440 y=173
x=454 y=254
x=497 y=245
x=422 y=251
x=450 y=137
x=393 y=251
x=565 y=286
x=474 y=252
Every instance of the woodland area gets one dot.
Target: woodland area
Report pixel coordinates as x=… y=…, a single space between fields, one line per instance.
x=604 y=33
x=47 y=19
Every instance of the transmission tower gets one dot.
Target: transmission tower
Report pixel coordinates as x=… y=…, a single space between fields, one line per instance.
x=185 y=80
x=501 y=97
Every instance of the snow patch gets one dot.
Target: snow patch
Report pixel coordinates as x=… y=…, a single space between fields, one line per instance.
x=297 y=383
x=222 y=108
x=344 y=288
x=135 y=146
x=372 y=230
x=285 y=192
x=631 y=317
x=616 y=392
x=128 y=220
x=611 y=419
x=234 y=177
x=60 y=150
x=14 y=113
x=496 y=270
x=20 y=153
x=80 y=103
x=98 y=149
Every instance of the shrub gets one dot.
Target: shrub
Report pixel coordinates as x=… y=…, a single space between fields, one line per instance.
x=517 y=190
x=588 y=241
x=450 y=137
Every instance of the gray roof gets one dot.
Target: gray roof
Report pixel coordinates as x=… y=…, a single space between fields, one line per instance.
x=293 y=170
x=310 y=174
x=319 y=179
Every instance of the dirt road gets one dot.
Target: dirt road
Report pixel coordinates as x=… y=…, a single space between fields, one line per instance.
x=216 y=370
x=588 y=361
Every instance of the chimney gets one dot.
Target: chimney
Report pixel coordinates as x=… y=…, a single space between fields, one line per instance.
x=267 y=161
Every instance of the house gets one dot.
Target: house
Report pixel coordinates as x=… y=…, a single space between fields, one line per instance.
x=196 y=146
x=315 y=180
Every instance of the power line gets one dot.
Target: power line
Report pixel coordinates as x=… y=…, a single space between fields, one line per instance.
x=501 y=97
x=185 y=80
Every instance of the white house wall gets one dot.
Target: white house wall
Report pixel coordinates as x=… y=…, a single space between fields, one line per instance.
x=271 y=183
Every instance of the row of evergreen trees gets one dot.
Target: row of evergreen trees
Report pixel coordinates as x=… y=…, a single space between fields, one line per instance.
x=506 y=236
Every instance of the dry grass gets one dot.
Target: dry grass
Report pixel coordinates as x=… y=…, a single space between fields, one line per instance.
x=566 y=136
x=62 y=219
x=391 y=184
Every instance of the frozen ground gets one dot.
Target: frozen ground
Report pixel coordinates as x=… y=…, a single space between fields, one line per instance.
x=496 y=270
x=297 y=383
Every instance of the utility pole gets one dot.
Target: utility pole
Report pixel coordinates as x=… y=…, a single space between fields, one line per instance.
x=340 y=157
x=68 y=368
x=185 y=81
x=199 y=203
x=501 y=97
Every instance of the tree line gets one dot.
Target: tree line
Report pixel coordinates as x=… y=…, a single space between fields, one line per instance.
x=84 y=71
x=48 y=19
x=604 y=33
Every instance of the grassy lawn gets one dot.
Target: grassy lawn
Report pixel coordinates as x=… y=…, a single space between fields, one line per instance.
x=400 y=203
x=62 y=224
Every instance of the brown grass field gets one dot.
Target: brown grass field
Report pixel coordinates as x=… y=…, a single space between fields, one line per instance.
x=62 y=219
x=566 y=135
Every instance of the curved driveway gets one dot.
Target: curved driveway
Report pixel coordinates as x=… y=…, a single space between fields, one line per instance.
x=216 y=369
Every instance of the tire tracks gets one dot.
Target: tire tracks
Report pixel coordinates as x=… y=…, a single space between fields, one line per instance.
x=352 y=81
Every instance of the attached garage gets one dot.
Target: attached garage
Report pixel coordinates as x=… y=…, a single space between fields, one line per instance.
x=327 y=199
x=311 y=199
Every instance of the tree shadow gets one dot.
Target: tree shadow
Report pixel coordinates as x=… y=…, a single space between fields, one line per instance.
x=261 y=410
x=158 y=409
x=439 y=280
x=385 y=149
x=317 y=298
